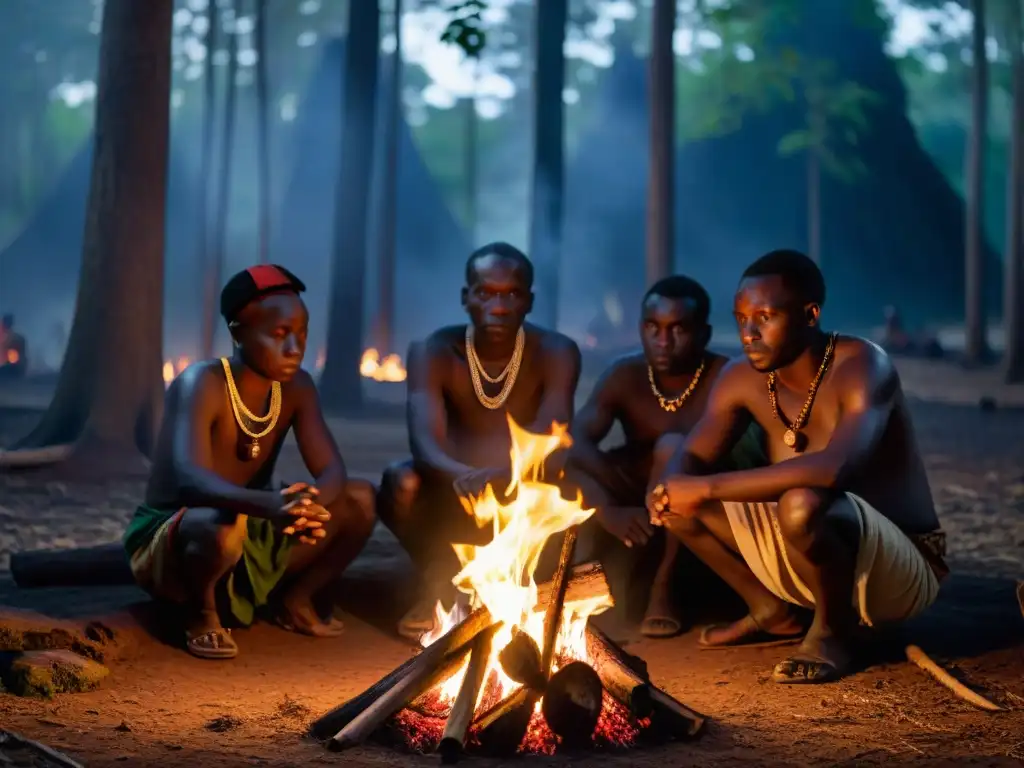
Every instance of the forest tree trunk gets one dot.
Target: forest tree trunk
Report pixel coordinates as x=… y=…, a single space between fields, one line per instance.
x=1013 y=279
x=975 y=346
x=384 y=316
x=208 y=316
x=469 y=159
x=263 y=130
x=660 y=198
x=548 y=156
x=109 y=394
x=814 y=205
x=215 y=264
x=340 y=383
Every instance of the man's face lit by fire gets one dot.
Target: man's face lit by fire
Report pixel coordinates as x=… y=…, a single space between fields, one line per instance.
x=271 y=335
x=774 y=325
x=498 y=297
x=674 y=337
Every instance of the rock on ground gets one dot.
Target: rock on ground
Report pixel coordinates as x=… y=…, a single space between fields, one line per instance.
x=47 y=673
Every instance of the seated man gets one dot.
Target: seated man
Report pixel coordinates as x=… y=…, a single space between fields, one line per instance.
x=213 y=536
x=463 y=381
x=842 y=522
x=658 y=392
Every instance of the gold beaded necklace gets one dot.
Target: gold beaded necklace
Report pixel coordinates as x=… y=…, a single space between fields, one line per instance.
x=476 y=371
x=793 y=438
x=243 y=414
x=673 y=404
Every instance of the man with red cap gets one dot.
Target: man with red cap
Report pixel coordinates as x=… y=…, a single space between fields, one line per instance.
x=213 y=537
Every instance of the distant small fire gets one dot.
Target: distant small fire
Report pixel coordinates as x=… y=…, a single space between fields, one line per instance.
x=13 y=357
x=390 y=368
x=174 y=368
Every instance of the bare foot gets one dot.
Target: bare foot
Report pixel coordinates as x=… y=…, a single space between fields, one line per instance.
x=298 y=615
x=778 y=627
x=661 y=618
x=206 y=638
x=821 y=658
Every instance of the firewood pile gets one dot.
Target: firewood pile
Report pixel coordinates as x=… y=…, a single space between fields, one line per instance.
x=605 y=699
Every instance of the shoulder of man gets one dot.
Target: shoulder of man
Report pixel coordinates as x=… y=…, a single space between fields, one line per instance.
x=553 y=342
x=441 y=340
x=203 y=379
x=859 y=359
x=738 y=378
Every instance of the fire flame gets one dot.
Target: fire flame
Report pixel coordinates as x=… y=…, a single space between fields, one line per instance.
x=499 y=575
x=173 y=369
x=13 y=357
x=388 y=369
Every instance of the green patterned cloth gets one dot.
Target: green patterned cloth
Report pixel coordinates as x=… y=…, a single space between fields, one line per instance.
x=247 y=587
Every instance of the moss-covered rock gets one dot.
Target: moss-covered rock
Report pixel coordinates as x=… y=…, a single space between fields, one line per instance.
x=47 y=673
x=30 y=631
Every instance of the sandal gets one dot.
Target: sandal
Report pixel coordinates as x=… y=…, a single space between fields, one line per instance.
x=212 y=644
x=801 y=670
x=659 y=626
x=745 y=633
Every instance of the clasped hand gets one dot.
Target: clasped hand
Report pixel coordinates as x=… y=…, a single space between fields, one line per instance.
x=300 y=515
x=678 y=495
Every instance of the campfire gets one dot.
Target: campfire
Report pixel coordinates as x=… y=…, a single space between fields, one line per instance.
x=174 y=368
x=520 y=669
x=371 y=366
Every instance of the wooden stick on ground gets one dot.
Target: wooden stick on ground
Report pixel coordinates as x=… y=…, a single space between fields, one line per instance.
x=459 y=719
x=51 y=756
x=922 y=660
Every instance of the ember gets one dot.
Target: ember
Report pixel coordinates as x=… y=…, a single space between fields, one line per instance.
x=480 y=682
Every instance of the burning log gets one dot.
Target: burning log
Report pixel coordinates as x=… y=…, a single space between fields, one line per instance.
x=572 y=703
x=506 y=725
x=587 y=581
x=457 y=726
x=635 y=691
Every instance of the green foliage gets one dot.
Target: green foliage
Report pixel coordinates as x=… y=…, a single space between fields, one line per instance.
x=466 y=29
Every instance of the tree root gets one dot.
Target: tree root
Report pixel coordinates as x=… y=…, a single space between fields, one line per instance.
x=922 y=660
x=25 y=458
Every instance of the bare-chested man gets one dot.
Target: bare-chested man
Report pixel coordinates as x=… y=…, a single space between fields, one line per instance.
x=658 y=392
x=842 y=522
x=463 y=380
x=213 y=536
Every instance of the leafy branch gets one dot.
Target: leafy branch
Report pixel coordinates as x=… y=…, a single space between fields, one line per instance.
x=466 y=30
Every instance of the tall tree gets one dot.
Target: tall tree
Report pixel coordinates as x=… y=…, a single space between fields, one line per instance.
x=548 y=154
x=340 y=383
x=660 y=197
x=1013 y=279
x=109 y=393
x=208 y=317
x=470 y=151
x=263 y=130
x=214 y=266
x=384 y=314
x=975 y=344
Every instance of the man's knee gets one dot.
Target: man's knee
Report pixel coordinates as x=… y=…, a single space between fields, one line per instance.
x=686 y=526
x=212 y=534
x=400 y=485
x=361 y=510
x=799 y=512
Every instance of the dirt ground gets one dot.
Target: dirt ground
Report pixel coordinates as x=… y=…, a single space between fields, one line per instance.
x=161 y=707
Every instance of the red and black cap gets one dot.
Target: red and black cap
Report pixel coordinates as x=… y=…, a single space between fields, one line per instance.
x=255 y=283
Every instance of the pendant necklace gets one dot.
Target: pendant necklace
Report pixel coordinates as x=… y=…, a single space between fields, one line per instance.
x=671 y=405
x=252 y=450
x=794 y=438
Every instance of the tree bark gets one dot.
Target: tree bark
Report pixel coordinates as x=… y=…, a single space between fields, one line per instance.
x=548 y=156
x=208 y=318
x=1013 y=279
x=109 y=393
x=340 y=383
x=975 y=345
x=384 y=316
x=660 y=198
x=813 y=206
x=263 y=130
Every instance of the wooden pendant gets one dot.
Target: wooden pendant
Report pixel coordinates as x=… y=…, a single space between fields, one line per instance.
x=789 y=438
